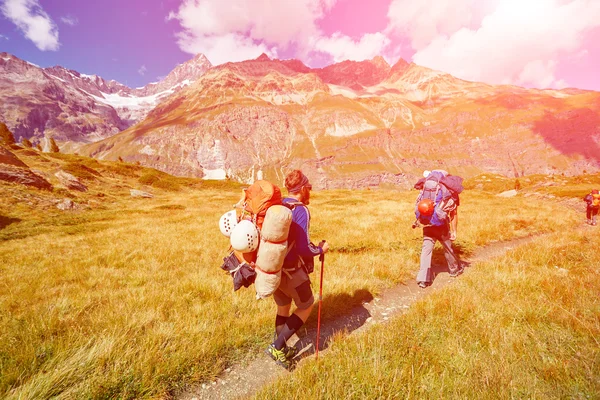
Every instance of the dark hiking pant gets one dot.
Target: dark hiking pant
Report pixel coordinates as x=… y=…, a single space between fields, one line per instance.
x=591 y=213
x=431 y=234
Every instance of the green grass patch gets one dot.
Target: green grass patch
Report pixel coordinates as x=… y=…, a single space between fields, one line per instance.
x=171 y=207
x=81 y=171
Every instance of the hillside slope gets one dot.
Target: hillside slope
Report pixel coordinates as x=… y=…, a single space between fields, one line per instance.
x=261 y=117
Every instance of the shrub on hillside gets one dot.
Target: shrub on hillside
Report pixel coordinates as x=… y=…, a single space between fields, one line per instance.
x=26 y=143
x=167 y=184
x=159 y=180
x=53 y=146
x=124 y=169
x=6 y=135
x=81 y=171
x=149 y=178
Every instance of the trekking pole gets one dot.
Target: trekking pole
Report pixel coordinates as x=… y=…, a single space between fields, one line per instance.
x=322 y=259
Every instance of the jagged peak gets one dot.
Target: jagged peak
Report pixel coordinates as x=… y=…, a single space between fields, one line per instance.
x=379 y=60
x=202 y=58
x=400 y=67
x=263 y=57
x=401 y=64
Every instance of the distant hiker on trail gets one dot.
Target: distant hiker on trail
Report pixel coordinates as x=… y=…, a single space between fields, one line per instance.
x=435 y=203
x=593 y=204
x=295 y=283
x=455 y=188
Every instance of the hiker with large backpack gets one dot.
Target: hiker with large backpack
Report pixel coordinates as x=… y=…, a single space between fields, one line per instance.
x=298 y=264
x=454 y=184
x=436 y=201
x=593 y=205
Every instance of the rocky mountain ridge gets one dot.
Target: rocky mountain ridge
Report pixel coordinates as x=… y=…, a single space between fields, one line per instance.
x=79 y=108
x=350 y=124
x=357 y=124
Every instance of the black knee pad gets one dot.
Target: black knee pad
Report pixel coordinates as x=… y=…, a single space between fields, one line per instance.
x=304 y=291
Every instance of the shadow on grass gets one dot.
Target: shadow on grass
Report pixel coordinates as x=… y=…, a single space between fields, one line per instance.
x=6 y=221
x=339 y=313
x=438 y=259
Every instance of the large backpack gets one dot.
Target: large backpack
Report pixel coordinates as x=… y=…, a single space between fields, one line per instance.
x=445 y=199
x=595 y=200
x=257 y=199
x=261 y=203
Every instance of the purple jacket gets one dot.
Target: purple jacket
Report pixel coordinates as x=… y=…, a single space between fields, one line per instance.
x=301 y=247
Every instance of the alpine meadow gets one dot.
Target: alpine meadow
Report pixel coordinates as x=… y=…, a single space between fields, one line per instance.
x=299 y=199
x=123 y=297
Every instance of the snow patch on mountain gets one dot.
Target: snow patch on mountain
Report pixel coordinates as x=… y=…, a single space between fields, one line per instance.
x=148 y=150
x=214 y=174
x=348 y=128
x=131 y=102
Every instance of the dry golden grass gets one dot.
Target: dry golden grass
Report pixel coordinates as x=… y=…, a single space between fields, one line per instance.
x=526 y=325
x=124 y=298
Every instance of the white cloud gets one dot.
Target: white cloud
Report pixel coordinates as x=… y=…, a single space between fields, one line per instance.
x=538 y=73
x=3 y=37
x=33 y=21
x=69 y=20
x=224 y=48
x=142 y=71
x=342 y=47
x=518 y=43
x=424 y=20
x=241 y=29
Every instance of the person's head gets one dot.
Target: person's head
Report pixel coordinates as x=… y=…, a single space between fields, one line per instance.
x=298 y=186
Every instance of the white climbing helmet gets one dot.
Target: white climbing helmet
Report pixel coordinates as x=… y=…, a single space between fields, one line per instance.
x=244 y=237
x=227 y=222
x=426 y=173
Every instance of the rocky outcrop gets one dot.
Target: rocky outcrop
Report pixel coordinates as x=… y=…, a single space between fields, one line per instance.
x=140 y=193
x=14 y=170
x=65 y=205
x=70 y=182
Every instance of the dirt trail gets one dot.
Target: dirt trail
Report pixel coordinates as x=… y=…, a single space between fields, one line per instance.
x=247 y=379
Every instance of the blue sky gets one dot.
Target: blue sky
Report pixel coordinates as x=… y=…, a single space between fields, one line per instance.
x=133 y=44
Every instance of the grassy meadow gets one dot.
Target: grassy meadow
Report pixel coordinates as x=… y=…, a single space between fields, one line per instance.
x=123 y=297
x=524 y=326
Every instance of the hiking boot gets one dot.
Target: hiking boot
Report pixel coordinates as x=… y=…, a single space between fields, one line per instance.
x=290 y=352
x=456 y=273
x=279 y=356
x=422 y=285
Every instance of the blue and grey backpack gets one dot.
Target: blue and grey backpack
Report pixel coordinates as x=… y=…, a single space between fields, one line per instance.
x=445 y=200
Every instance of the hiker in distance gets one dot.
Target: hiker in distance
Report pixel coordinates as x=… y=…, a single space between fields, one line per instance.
x=434 y=205
x=593 y=205
x=298 y=264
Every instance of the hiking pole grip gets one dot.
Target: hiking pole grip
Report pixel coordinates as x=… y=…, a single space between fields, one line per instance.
x=322 y=259
x=322 y=255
